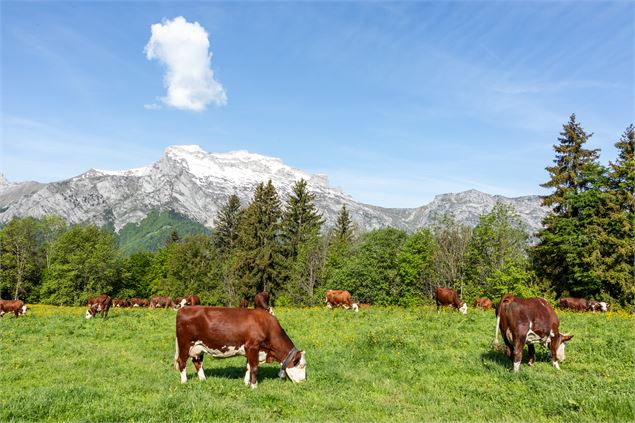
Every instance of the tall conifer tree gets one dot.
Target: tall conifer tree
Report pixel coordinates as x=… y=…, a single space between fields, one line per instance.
x=227 y=225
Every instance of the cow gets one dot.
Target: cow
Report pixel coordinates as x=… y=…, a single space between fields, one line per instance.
x=483 y=303
x=16 y=307
x=261 y=300
x=449 y=297
x=139 y=302
x=529 y=321
x=339 y=298
x=226 y=332
x=161 y=302
x=99 y=304
x=597 y=305
x=118 y=302
x=364 y=306
x=579 y=304
x=189 y=300
x=244 y=303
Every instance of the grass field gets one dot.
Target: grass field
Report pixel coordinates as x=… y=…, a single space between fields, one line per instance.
x=376 y=365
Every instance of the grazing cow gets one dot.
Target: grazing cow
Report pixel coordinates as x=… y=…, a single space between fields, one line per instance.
x=16 y=307
x=162 y=302
x=364 y=306
x=244 y=303
x=189 y=300
x=449 y=297
x=99 y=304
x=226 y=332
x=139 y=302
x=339 y=298
x=261 y=300
x=597 y=305
x=118 y=302
x=483 y=303
x=579 y=304
x=529 y=321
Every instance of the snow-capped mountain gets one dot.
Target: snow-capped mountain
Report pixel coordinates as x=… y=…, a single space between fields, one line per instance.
x=196 y=184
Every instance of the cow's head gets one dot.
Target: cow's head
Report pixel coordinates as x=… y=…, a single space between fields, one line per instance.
x=562 y=342
x=23 y=310
x=296 y=370
x=355 y=307
x=90 y=313
x=463 y=308
x=603 y=306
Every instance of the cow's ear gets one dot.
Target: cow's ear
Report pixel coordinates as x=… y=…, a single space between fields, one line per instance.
x=565 y=338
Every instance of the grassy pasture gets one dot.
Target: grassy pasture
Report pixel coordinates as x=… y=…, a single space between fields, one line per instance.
x=376 y=365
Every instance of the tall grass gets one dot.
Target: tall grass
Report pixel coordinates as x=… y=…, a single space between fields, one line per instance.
x=382 y=364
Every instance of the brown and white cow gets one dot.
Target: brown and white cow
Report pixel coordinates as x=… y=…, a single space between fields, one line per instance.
x=261 y=300
x=119 y=302
x=244 y=303
x=188 y=300
x=161 y=302
x=529 y=321
x=99 y=304
x=449 y=297
x=139 y=302
x=339 y=298
x=16 y=307
x=226 y=332
x=483 y=303
x=579 y=304
x=597 y=305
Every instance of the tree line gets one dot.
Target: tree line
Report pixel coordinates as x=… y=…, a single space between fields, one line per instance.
x=585 y=248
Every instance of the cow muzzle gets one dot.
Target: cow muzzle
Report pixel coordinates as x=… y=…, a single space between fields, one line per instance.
x=297 y=373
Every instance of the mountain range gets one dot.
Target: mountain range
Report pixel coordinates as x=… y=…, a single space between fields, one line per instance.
x=194 y=183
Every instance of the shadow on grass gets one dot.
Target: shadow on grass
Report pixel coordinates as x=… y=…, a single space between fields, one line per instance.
x=239 y=372
x=499 y=357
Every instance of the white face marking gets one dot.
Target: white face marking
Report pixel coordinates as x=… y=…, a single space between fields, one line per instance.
x=297 y=374
x=271 y=311
x=604 y=306
x=183 y=376
x=88 y=315
x=329 y=305
x=516 y=366
x=201 y=373
x=355 y=307
x=463 y=308
x=560 y=352
x=23 y=309
x=555 y=365
x=198 y=348
x=183 y=302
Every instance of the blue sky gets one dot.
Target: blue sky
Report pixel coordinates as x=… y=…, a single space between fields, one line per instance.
x=395 y=102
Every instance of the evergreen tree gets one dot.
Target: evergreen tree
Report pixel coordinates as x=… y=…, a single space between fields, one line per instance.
x=569 y=165
x=227 y=225
x=340 y=250
x=259 y=258
x=344 y=228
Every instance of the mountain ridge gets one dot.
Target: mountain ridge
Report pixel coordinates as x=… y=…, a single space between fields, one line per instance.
x=194 y=183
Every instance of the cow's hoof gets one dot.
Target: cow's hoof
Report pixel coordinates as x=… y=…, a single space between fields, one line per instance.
x=254 y=385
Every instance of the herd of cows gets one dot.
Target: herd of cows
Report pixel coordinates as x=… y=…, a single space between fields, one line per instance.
x=256 y=333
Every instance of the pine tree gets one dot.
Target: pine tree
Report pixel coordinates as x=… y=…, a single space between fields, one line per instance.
x=227 y=225
x=258 y=251
x=569 y=165
x=344 y=228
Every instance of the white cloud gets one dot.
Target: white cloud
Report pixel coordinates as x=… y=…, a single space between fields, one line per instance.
x=151 y=106
x=183 y=47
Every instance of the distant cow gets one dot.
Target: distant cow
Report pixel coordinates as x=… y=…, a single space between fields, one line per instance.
x=139 y=302
x=118 y=302
x=99 y=304
x=483 y=302
x=16 y=307
x=579 y=304
x=244 y=303
x=597 y=305
x=449 y=297
x=161 y=302
x=364 y=306
x=339 y=298
x=261 y=300
x=189 y=300
x=529 y=321
x=226 y=332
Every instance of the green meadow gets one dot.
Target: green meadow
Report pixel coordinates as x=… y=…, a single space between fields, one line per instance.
x=381 y=364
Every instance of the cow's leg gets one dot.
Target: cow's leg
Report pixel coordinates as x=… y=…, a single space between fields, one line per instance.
x=532 y=354
x=519 y=343
x=247 y=375
x=198 y=365
x=180 y=358
x=554 y=353
x=252 y=363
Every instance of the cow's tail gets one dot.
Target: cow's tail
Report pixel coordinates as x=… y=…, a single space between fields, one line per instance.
x=498 y=321
x=176 y=354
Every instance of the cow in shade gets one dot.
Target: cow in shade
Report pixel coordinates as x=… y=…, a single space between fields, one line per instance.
x=449 y=297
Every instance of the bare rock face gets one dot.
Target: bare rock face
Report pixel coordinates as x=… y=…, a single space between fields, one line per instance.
x=197 y=184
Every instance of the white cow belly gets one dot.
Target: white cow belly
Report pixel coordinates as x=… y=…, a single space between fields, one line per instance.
x=199 y=348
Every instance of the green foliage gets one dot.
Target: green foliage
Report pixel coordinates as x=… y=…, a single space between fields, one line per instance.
x=227 y=225
x=155 y=230
x=135 y=277
x=84 y=263
x=378 y=365
x=416 y=266
x=452 y=239
x=21 y=259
